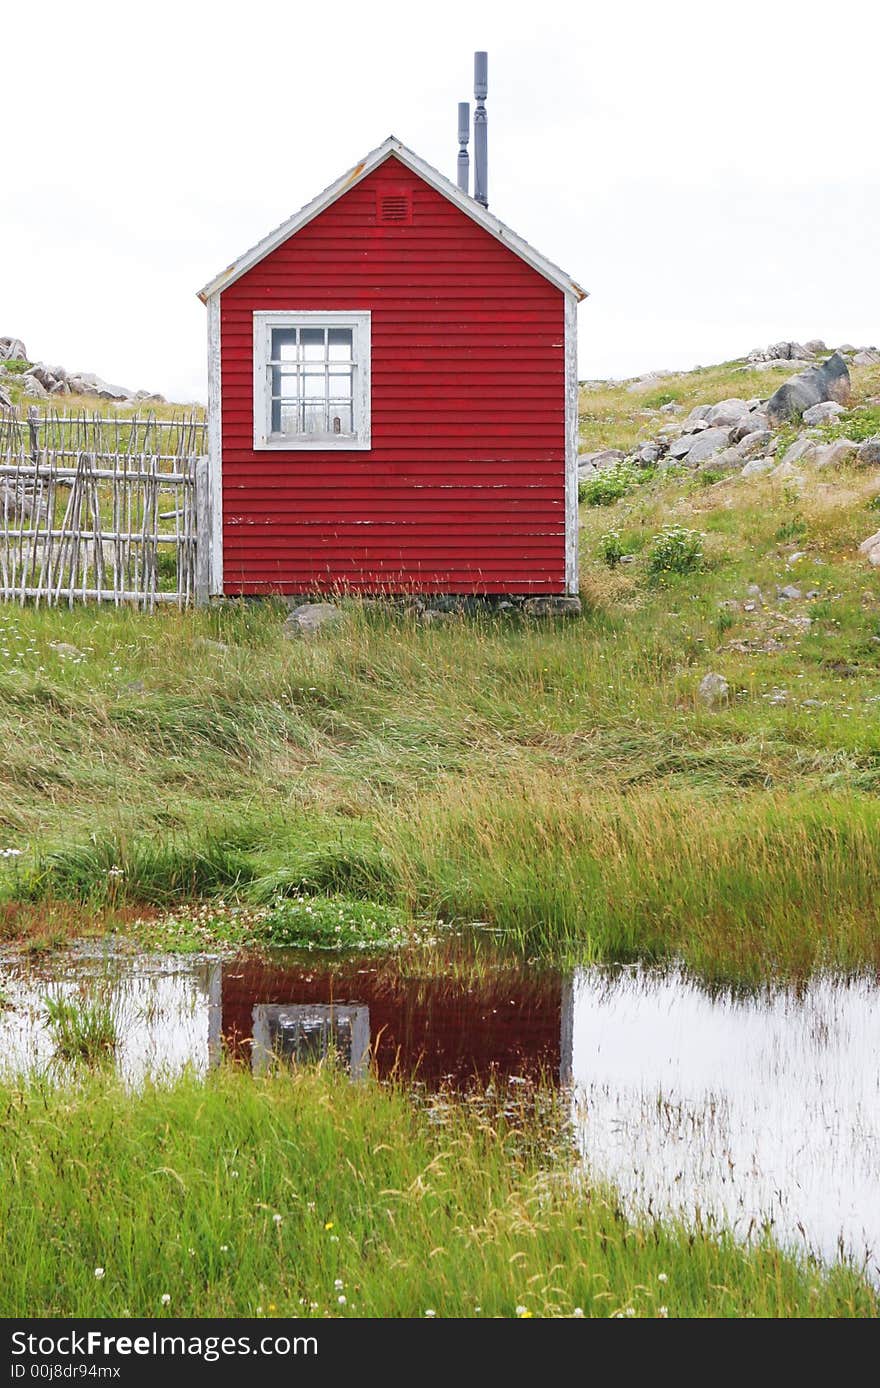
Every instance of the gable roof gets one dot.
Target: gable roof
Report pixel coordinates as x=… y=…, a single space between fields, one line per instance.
x=432 y=176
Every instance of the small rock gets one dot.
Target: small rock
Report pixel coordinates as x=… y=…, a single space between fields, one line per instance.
x=671 y=407
x=798 y=555
x=789 y=593
x=549 y=605
x=309 y=617
x=648 y=453
x=713 y=691
x=821 y=413
x=627 y=559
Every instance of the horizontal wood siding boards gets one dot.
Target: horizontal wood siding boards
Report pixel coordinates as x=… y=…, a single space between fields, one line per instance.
x=463 y=488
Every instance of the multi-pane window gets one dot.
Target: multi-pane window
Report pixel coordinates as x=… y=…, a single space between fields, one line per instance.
x=312 y=380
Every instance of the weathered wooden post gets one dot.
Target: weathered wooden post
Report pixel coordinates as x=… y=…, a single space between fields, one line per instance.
x=481 y=129
x=464 y=134
x=33 y=419
x=203 y=533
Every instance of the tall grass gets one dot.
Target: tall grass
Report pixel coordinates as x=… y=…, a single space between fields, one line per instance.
x=306 y=1195
x=82 y=1029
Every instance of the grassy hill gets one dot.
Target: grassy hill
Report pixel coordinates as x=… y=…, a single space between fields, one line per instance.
x=562 y=780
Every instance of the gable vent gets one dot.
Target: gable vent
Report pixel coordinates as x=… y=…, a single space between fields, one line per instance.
x=395 y=208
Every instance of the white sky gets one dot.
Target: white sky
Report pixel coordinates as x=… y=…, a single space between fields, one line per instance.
x=711 y=173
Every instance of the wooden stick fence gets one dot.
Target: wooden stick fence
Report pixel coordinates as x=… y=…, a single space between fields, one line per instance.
x=70 y=433
x=103 y=527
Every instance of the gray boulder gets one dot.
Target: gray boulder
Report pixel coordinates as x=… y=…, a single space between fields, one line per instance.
x=830 y=381
x=754 y=445
x=727 y=412
x=869 y=452
x=758 y=466
x=868 y=356
x=90 y=384
x=822 y=413
x=679 y=448
x=796 y=450
x=816 y=346
x=647 y=453
x=820 y=455
x=549 y=605
x=713 y=690
x=34 y=386
x=12 y=349
x=782 y=351
x=603 y=458
x=704 y=445
x=309 y=618
x=754 y=420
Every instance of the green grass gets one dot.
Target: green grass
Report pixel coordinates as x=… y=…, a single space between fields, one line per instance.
x=282 y=1197
x=82 y=1029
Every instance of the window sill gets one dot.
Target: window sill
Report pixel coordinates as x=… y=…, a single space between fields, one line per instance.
x=321 y=445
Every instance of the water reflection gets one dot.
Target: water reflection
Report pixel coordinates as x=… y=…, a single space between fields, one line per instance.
x=750 y=1108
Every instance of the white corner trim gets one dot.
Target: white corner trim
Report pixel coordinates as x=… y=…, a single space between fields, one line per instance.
x=438 y=181
x=572 y=577
x=360 y=321
x=215 y=445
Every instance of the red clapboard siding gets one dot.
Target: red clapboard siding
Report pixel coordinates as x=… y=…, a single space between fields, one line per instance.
x=463 y=489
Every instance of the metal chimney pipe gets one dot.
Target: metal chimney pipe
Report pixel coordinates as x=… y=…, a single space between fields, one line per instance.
x=481 y=146
x=464 y=134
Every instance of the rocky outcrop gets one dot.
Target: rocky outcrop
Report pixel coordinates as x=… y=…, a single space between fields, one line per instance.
x=815 y=386
x=738 y=435
x=40 y=380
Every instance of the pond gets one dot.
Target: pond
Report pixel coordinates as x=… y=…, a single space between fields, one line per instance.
x=750 y=1109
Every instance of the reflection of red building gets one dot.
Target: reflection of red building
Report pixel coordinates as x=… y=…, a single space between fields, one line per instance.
x=440 y=1029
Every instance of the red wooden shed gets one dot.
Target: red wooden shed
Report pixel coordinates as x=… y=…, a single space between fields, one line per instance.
x=392 y=399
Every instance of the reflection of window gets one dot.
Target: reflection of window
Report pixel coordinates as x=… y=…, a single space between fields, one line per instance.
x=306 y=1033
x=311 y=380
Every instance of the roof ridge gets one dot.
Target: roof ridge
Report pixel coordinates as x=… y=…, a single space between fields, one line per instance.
x=443 y=185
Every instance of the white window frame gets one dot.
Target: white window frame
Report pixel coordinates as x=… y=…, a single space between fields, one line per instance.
x=360 y=323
